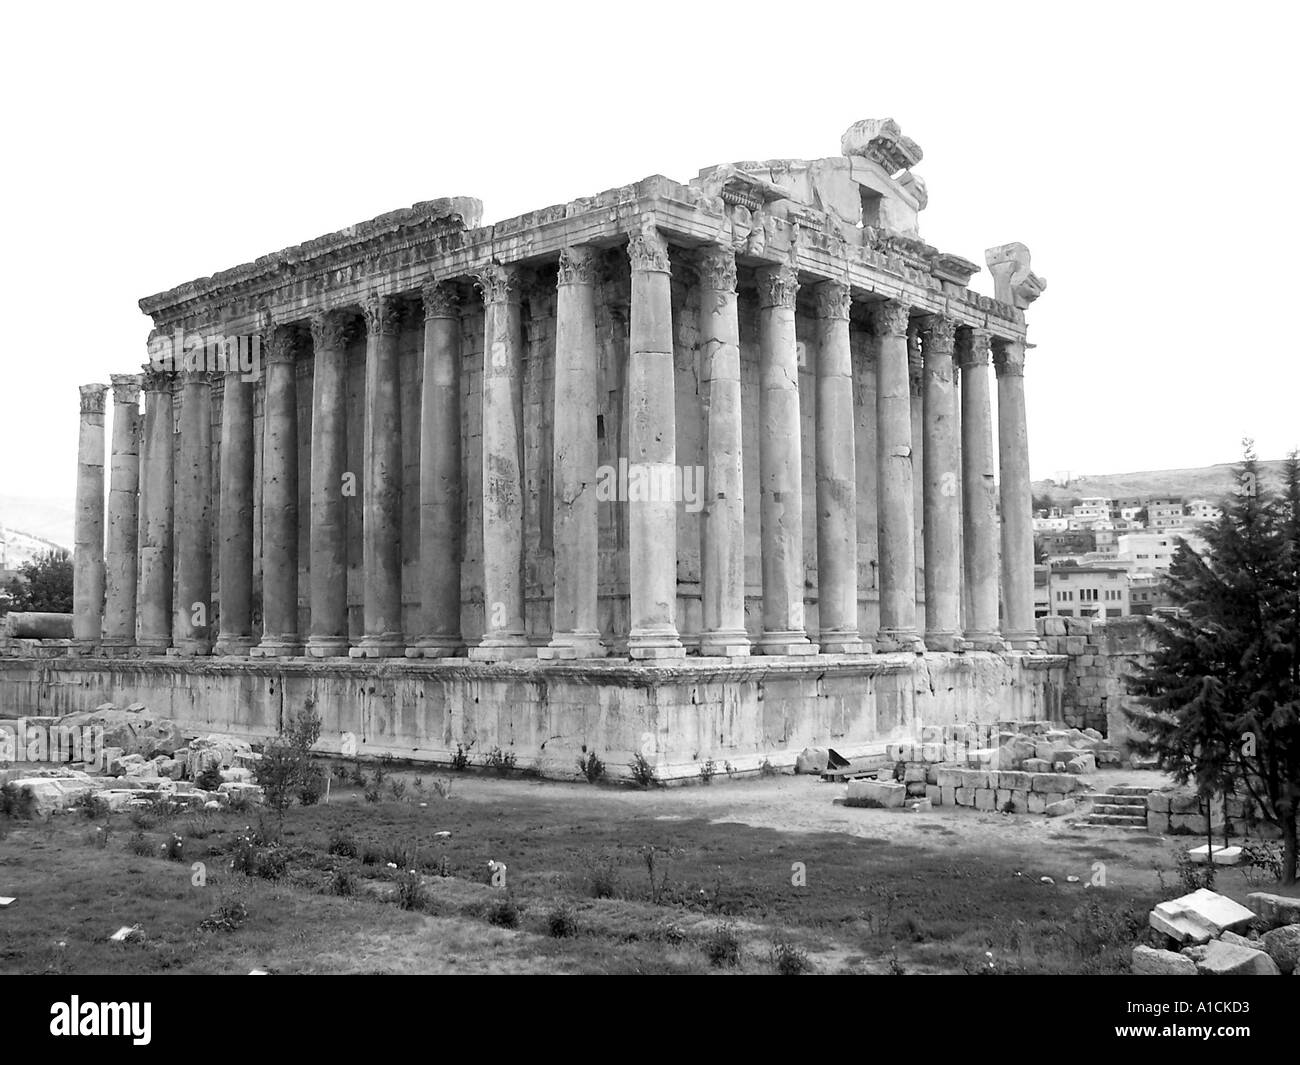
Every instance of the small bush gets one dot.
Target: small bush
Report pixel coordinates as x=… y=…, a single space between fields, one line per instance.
x=356 y=775
x=410 y=890
x=138 y=844
x=142 y=817
x=253 y=857
x=99 y=837
x=372 y=793
x=442 y=787
x=231 y=912
x=561 y=922
x=499 y=761
x=342 y=845
x=602 y=875
x=503 y=913
x=397 y=788
x=173 y=848
x=708 y=771
x=210 y=778
x=767 y=769
x=312 y=788
x=788 y=959
x=87 y=804
x=591 y=767
x=643 y=773
x=343 y=884
x=197 y=827
x=722 y=946
x=1194 y=876
x=460 y=760
x=1261 y=862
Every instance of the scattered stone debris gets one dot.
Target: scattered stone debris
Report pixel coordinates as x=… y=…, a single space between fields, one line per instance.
x=1148 y=961
x=1210 y=926
x=127 y=934
x=1204 y=855
x=6 y=900
x=1199 y=917
x=1274 y=910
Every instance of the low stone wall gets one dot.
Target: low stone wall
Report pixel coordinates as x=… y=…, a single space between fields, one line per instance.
x=1101 y=656
x=1180 y=812
x=548 y=713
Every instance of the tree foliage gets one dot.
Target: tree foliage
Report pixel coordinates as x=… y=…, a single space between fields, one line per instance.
x=44 y=584
x=1220 y=697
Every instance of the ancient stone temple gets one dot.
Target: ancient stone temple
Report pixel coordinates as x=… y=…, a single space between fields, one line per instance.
x=699 y=470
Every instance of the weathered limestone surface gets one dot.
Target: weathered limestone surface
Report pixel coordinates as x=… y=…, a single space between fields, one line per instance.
x=235 y=516
x=328 y=586
x=192 y=623
x=123 y=514
x=1017 y=502
x=157 y=496
x=88 y=535
x=979 y=513
x=942 y=475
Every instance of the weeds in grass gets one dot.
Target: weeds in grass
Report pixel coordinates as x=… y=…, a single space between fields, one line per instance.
x=1193 y=876
x=142 y=817
x=722 y=946
x=231 y=912
x=1261 y=862
x=666 y=931
x=87 y=804
x=210 y=778
x=372 y=793
x=442 y=787
x=708 y=771
x=591 y=767
x=499 y=761
x=252 y=856
x=895 y=966
x=561 y=921
x=198 y=826
x=397 y=788
x=138 y=844
x=343 y=884
x=312 y=787
x=643 y=773
x=651 y=855
x=342 y=845
x=99 y=837
x=767 y=769
x=410 y=890
x=602 y=874
x=460 y=760
x=1101 y=937
x=355 y=775
x=504 y=913
x=788 y=959
x=173 y=848
x=730 y=770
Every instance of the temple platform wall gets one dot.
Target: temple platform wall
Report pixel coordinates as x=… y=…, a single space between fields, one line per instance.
x=548 y=713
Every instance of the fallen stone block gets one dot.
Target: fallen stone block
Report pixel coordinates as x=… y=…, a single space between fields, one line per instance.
x=1059 y=808
x=921 y=806
x=1199 y=916
x=236 y=775
x=1082 y=763
x=1283 y=946
x=1147 y=961
x=866 y=793
x=915 y=789
x=237 y=792
x=50 y=794
x=1275 y=910
x=1228 y=959
x=1036 y=765
x=1203 y=855
x=1241 y=941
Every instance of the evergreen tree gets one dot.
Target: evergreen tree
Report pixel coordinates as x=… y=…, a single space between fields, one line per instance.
x=43 y=584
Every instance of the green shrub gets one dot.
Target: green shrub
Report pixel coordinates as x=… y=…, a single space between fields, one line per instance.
x=17 y=804
x=643 y=773
x=788 y=959
x=410 y=890
x=503 y=913
x=591 y=767
x=722 y=946
x=343 y=883
x=231 y=912
x=138 y=844
x=499 y=761
x=460 y=760
x=708 y=771
x=562 y=922
x=342 y=845
x=210 y=778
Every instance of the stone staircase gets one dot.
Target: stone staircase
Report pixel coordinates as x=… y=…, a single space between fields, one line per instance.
x=1123 y=806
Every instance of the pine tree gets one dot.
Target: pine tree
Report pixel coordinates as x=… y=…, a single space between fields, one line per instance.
x=44 y=584
x=1218 y=699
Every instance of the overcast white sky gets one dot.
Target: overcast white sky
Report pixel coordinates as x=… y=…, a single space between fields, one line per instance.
x=1145 y=152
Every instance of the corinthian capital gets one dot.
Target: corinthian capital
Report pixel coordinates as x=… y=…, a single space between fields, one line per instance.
x=718 y=270
x=1008 y=357
x=889 y=319
x=648 y=250
x=383 y=316
x=281 y=345
x=440 y=300
x=577 y=266
x=329 y=331
x=939 y=334
x=126 y=388
x=972 y=347
x=92 y=398
x=833 y=300
x=777 y=286
x=499 y=284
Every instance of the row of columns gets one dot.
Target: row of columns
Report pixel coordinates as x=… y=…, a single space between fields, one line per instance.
x=954 y=493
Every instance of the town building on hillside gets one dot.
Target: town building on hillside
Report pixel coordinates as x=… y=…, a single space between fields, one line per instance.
x=1165 y=513
x=1090 y=591
x=1148 y=594
x=1202 y=510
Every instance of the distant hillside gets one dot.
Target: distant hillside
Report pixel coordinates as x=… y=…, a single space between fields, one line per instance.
x=47 y=519
x=1204 y=482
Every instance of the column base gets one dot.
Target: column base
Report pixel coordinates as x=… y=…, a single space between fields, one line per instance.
x=663 y=645
x=152 y=647
x=118 y=647
x=288 y=646
x=379 y=645
x=944 y=641
x=190 y=649
x=843 y=643
x=436 y=647
x=327 y=647
x=985 y=641
x=889 y=641
x=502 y=647
x=234 y=646
x=1022 y=641
x=573 y=645
x=789 y=642
x=725 y=643
x=83 y=648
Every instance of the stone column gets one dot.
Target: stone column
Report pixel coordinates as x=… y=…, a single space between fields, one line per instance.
x=916 y=386
x=157 y=495
x=88 y=535
x=837 y=491
x=504 y=635
x=328 y=570
x=381 y=491
x=441 y=514
x=979 y=516
x=722 y=561
x=1018 y=627
x=894 y=481
x=123 y=515
x=780 y=466
x=576 y=626
x=280 y=636
x=192 y=624
x=942 y=485
x=652 y=459
x=235 y=509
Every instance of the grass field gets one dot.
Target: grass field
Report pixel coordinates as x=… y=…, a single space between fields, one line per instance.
x=741 y=876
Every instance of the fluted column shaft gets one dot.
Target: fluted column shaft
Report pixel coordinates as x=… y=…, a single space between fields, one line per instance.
x=441 y=521
x=894 y=481
x=504 y=632
x=652 y=459
x=1018 y=627
x=916 y=386
x=157 y=499
x=192 y=624
x=979 y=510
x=280 y=635
x=942 y=485
x=123 y=514
x=837 y=494
x=780 y=466
x=88 y=534
x=235 y=509
x=576 y=626
x=722 y=561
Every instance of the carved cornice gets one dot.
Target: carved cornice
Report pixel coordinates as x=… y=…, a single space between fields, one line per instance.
x=440 y=300
x=939 y=334
x=498 y=283
x=833 y=299
x=126 y=388
x=92 y=398
x=973 y=347
x=281 y=346
x=889 y=318
x=1008 y=358
x=648 y=250
x=717 y=268
x=777 y=286
x=577 y=266
x=383 y=316
x=330 y=331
